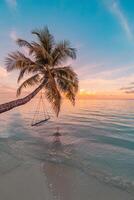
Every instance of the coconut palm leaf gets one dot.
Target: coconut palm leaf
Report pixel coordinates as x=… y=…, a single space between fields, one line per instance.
x=24 y=43
x=32 y=81
x=21 y=75
x=53 y=95
x=45 y=38
x=41 y=55
x=68 y=76
x=18 y=60
x=66 y=71
x=62 y=52
x=67 y=82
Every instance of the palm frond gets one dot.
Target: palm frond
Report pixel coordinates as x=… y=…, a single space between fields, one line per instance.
x=66 y=71
x=71 y=96
x=18 y=60
x=45 y=38
x=53 y=95
x=62 y=52
x=22 y=72
x=67 y=82
x=29 y=82
x=67 y=75
x=68 y=88
x=41 y=54
x=24 y=43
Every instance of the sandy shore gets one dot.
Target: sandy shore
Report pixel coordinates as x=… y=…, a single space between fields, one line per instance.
x=24 y=183
x=49 y=181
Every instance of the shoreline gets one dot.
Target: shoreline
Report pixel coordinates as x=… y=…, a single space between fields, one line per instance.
x=51 y=181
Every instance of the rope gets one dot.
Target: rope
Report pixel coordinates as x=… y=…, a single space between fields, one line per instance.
x=40 y=109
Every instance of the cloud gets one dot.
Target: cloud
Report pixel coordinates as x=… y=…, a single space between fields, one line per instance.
x=116 y=9
x=13 y=35
x=5 y=88
x=12 y=3
x=7 y=93
x=130 y=92
x=3 y=73
x=106 y=85
x=107 y=71
x=129 y=89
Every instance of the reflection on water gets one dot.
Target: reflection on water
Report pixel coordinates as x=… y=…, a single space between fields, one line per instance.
x=96 y=137
x=57 y=145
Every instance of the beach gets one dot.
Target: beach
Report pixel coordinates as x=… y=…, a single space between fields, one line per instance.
x=54 y=181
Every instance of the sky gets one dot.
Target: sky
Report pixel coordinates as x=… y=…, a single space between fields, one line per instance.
x=101 y=30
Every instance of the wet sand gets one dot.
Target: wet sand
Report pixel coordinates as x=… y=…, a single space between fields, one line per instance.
x=50 y=181
x=24 y=183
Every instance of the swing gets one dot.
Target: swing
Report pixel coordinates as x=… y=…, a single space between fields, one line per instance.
x=41 y=115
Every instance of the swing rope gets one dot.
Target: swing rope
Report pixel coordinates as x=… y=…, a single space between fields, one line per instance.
x=41 y=115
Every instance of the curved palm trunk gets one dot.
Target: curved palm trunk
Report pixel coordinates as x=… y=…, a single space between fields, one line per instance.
x=19 y=102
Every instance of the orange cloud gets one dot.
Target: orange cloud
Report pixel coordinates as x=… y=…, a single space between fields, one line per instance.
x=3 y=73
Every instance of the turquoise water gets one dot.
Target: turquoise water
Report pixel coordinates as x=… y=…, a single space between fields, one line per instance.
x=97 y=136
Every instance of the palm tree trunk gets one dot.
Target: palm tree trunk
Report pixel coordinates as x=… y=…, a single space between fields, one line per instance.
x=19 y=102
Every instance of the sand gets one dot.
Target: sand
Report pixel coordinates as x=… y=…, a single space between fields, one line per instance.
x=50 y=181
x=24 y=183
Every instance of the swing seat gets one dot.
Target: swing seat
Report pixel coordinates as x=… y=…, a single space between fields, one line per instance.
x=40 y=122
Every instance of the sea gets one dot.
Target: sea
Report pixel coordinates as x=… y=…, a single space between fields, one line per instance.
x=95 y=136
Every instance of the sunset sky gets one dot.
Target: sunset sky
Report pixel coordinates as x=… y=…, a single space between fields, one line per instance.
x=101 y=30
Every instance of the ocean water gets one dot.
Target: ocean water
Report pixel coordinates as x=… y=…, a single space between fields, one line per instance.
x=96 y=136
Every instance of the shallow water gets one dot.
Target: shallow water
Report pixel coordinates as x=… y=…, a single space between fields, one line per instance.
x=97 y=137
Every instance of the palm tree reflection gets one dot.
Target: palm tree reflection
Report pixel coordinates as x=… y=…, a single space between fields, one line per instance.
x=59 y=176
x=56 y=145
x=57 y=136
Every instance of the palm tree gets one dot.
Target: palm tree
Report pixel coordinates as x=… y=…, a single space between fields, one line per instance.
x=45 y=65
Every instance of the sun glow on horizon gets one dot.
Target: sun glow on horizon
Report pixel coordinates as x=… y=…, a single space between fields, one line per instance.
x=86 y=92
